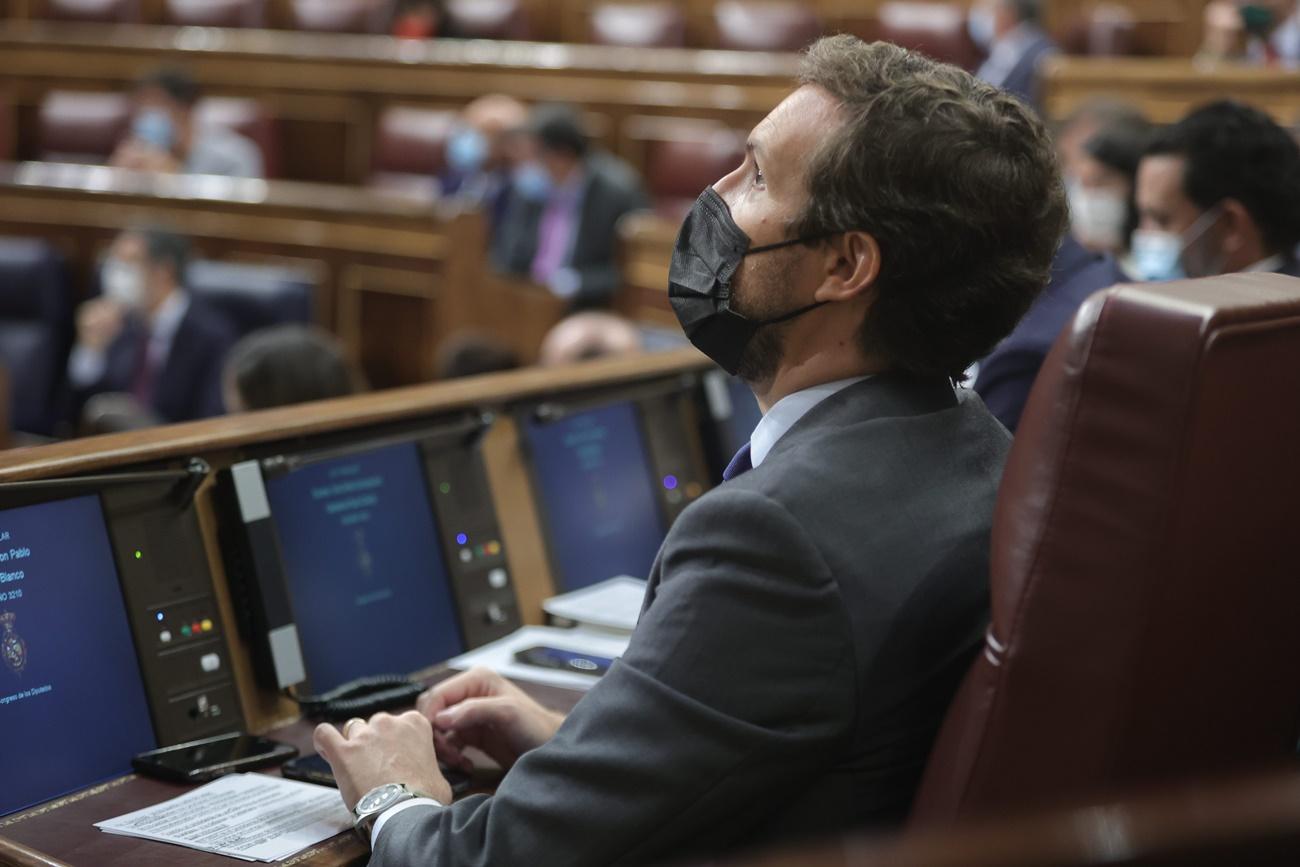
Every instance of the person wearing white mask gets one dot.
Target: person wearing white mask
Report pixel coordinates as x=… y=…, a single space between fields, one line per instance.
x=1011 y=33
x=1103 y=214
x=1218 y=193
x=145 y=337
x=165 y=137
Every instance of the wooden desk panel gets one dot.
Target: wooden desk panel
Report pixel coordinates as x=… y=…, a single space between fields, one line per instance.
x=326 y=89
x=1167 y=89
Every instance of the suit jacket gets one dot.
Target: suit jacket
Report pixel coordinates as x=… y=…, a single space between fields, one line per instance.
x=1008 y=373
x=189 y=384
x=612 y=190
x=805 y=628
x=1023 y=79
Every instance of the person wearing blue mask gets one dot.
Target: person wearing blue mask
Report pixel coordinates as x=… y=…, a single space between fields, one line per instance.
x=1011 y=33
x=165 y=135
x=481 y=153
x=1217 y=193
x=560 y=227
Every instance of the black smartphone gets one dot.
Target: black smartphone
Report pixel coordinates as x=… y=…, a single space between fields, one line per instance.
x=314 y=769
x=564 y=660
x=207 y=759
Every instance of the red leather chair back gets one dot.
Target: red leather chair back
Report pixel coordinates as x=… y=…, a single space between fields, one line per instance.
x=935 y=29
x=99 y=11
x=657 y=25
x=765 y=25
x=682 y=156
x=342 y=16
x=488 y=19
x=1105 y=30
x=82 y=127
x=1145 y=575
x=249 y=118
x=409 y=148
x=216 y=13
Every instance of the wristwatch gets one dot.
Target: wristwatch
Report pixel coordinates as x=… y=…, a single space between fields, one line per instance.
x=376 y=801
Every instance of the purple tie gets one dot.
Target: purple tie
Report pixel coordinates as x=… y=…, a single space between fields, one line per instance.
x=553 y=235
x=739 y=464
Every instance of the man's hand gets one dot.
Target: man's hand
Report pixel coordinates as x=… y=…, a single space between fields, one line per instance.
x=482 y=709
x=99 y=321
x=388 y=749
x=140 y=157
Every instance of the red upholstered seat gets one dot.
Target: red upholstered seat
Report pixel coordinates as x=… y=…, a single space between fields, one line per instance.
x=765 y=25
x=935 y=29
x=216 y=13
x=1105 y=30
x=342 y=16
x=682 y=156
x=105 y=11
x=408 y=148
x=488 y=19
x=1144 y=569
x=82 y=127
x=659 y=25
x=249 y=118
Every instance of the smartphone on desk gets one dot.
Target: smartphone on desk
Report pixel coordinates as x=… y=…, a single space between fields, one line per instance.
x=314 y=769
x=204 y=760
x=564 y=660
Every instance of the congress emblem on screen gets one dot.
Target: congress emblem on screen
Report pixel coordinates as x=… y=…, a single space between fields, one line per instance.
x=12 y=646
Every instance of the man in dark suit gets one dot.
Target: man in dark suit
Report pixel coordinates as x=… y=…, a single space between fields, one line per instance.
x=1007 y=375
x=807 y=622
x=561 y=219
x=146 y=337
x=1011 y=32
x=1218 y=192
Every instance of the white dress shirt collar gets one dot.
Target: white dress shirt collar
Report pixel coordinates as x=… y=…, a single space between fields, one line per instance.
x=778 y=420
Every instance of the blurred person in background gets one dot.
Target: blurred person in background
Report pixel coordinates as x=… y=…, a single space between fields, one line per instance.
x=588 y=335
x=146 y=338
x=1263 y=32
x=560 y=224
x=1083 y=123
x=418 y=19
x=1012 y=34
x=285 y=365
x=1103 y=209
x=482 y=153
x=472 y=354
x=1217 y=193
x=165 y=137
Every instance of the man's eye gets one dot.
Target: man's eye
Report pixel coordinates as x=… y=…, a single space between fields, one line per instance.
x=759 y=180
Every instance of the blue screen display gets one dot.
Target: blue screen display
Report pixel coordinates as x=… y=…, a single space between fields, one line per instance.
x=367 y=579
x=72 y=703
x=597 y=490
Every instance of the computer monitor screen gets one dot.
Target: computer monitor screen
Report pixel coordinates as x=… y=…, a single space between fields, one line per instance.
x=72 y=703
x=365 y=571
x=594 y=480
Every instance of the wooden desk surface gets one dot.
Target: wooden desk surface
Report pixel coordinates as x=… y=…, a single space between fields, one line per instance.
x=1167 y=88
x=62 y=831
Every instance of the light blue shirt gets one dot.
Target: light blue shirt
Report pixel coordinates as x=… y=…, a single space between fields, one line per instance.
x=787 y=411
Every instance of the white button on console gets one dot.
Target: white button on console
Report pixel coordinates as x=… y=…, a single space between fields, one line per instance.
x=498 y=578
x=165 y=636
x=210 y=662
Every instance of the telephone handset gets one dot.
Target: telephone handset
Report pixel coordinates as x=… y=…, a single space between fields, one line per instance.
x=361 y=697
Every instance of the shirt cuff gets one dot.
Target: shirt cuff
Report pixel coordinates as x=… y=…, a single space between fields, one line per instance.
x=397 y=808
x=86 y=366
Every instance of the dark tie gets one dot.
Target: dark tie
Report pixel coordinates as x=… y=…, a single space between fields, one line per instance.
x=739 y=464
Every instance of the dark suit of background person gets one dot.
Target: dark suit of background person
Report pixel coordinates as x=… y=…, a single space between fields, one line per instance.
x=1008 y=373
x=602 y=190
x=807 y=622
x=1009 y=30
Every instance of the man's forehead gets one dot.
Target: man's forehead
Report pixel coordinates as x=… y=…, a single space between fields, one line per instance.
x=800 y=119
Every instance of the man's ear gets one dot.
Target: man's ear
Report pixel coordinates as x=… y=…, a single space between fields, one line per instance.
x=1237 y=225
x=852 y=265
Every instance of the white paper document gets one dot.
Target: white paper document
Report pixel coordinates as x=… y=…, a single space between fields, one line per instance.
x=254 y=817
x=500 y=654
x=611 y=604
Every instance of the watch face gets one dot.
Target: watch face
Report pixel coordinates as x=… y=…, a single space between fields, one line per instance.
x=376 y=798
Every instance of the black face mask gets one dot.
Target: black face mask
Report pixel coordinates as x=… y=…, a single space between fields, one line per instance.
x=709 y=249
